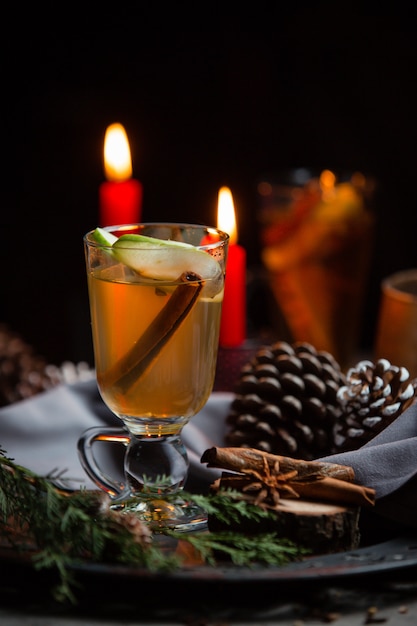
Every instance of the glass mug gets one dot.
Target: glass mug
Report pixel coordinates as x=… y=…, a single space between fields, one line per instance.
x=396 y=333
x=155 y=313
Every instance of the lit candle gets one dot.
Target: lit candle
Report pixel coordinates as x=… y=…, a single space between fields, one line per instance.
x=233 y=321
x=120 y=197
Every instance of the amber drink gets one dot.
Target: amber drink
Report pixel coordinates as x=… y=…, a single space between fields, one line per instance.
x=179 y=380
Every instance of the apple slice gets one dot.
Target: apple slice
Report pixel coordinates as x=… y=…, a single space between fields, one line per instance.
x=104 y=237
x=162 y=259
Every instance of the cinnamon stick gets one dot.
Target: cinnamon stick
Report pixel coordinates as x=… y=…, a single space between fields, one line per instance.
x=132 y=365
x=238 y=459
x=328 y=489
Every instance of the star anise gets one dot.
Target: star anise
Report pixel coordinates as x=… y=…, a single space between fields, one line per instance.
x=266 y=488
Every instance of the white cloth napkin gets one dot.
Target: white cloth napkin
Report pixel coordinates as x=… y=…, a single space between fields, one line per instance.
x=42 y=432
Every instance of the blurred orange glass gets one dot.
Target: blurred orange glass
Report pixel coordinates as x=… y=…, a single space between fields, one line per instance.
x=317 y=240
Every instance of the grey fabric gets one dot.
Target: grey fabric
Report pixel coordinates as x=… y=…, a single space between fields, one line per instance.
x=388 y=464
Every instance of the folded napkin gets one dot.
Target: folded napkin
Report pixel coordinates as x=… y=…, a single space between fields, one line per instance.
x=42 y=432
x=388 y=464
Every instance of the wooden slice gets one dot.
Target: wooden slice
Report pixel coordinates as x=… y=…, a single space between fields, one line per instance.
x=322 y=528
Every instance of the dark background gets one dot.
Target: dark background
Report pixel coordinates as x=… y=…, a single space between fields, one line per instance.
x=321 y=84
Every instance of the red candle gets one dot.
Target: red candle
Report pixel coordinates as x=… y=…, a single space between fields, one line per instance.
x=120 y=197
x=233 y=320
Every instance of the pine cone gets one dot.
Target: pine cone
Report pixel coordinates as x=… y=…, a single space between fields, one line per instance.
x=286 y=402
x=23 y=373
x=372 y=398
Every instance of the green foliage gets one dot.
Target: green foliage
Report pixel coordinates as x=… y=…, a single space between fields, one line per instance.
x=243 y=550
x=229 y=508
x=61 y=530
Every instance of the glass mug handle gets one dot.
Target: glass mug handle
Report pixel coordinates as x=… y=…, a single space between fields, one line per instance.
x=112 y=487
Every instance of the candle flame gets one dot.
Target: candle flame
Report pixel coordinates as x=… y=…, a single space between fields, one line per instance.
x=226 y=219
x=117 y=159
x=327 y=184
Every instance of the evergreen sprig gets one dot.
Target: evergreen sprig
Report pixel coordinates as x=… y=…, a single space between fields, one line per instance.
x=61 y=530
x=243 y=550
x=229 y=508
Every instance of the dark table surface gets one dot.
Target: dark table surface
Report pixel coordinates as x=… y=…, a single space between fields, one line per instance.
x=372 y=585
x=393 y=603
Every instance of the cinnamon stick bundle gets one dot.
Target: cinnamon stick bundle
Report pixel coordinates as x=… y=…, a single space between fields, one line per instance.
x=132 y=365
x=285 y=477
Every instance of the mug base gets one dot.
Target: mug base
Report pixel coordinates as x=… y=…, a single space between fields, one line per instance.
x=159 y=514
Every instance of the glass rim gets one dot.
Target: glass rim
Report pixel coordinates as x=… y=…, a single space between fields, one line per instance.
x=224 y=237
x=401 y=285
